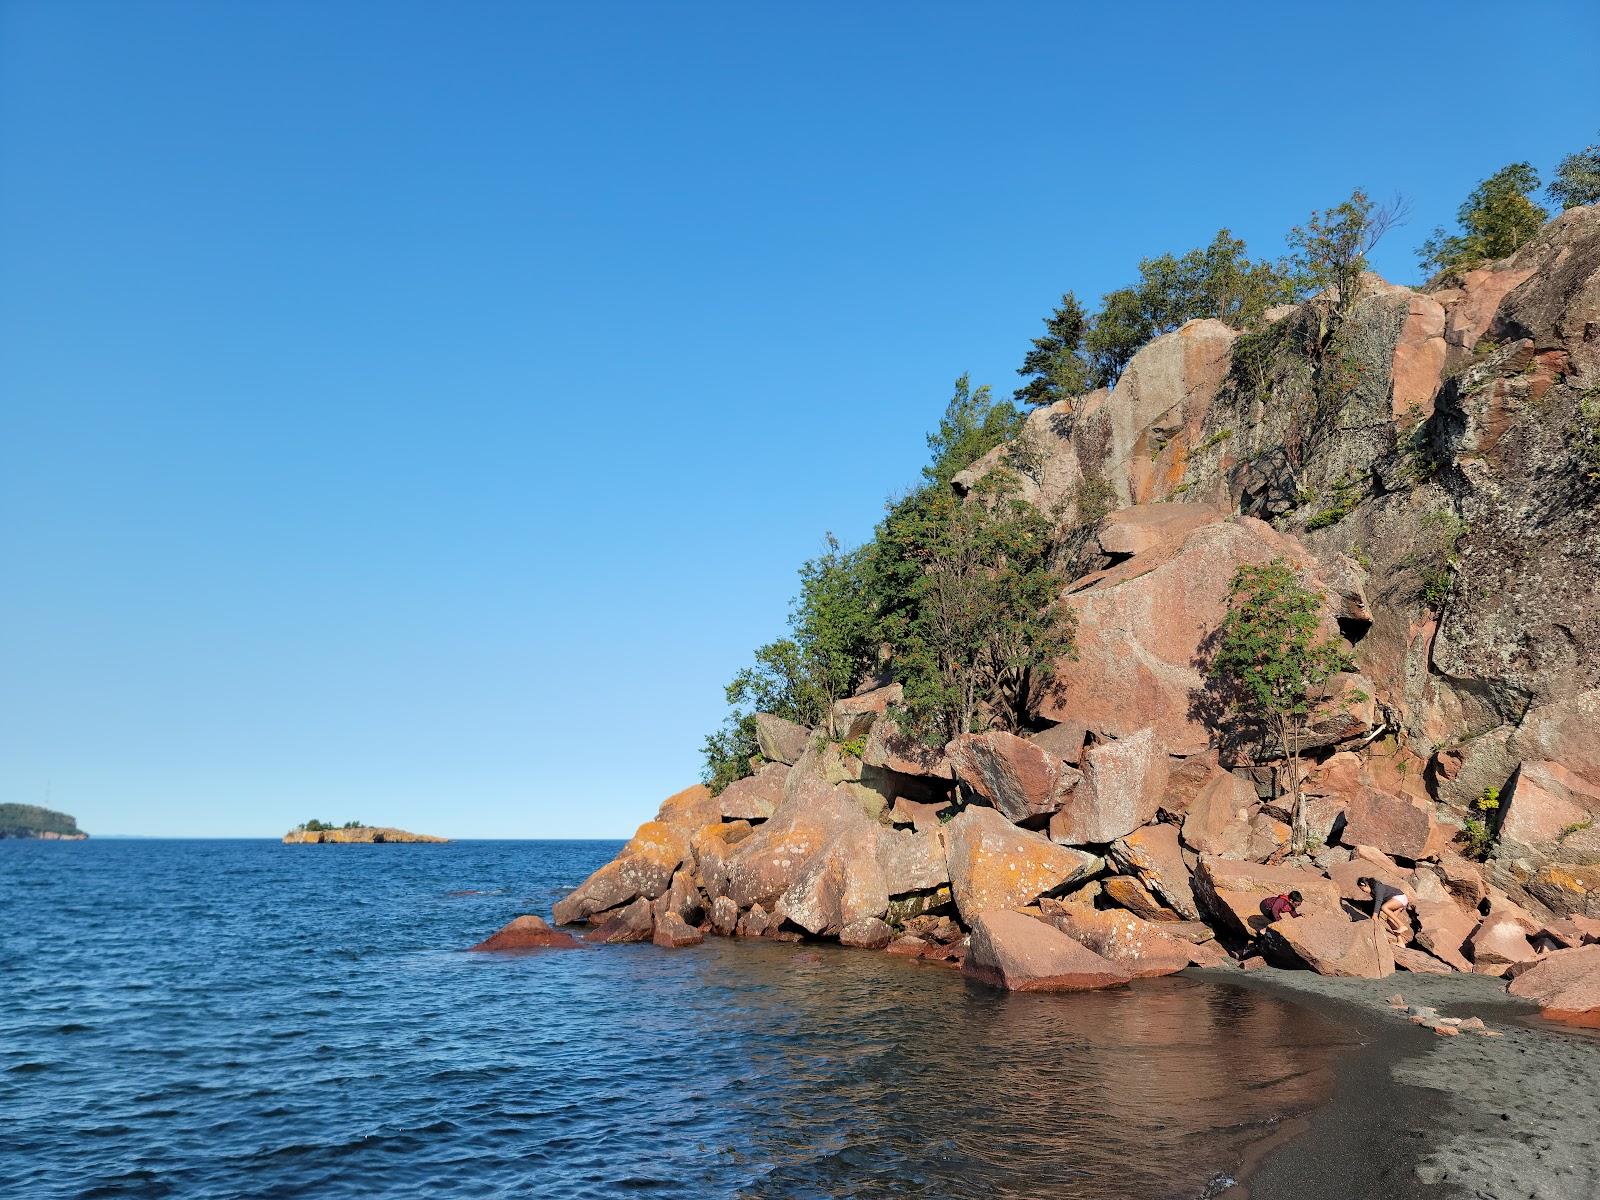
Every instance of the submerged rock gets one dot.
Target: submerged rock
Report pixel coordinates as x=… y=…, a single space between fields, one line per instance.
x=528 y=933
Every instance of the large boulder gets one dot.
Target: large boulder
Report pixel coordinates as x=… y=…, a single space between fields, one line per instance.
x=1218 y=818
x=755 y=797
x=634 y=922
x=1232 y=892
x=840 y=884
x=643 y=868
x=674 y=933
x=1443 y=928
x=1125 y=891
x=994 y=864
x=1018 y=777
x=1065 y=741
x=1141 y=948
x=688 y=810
x=1122 y=787
x=1016 y=952
x=712 y=846
x=1565 y=985
x=1500 y=943
x=812 y=817
x=1394 y=825
x=855 y=715
x=1141 y=629
x=1549 y=809
x=1154 y=855
x=528 y=933
x=890 y=749
x=913 y=861
x=1330 y=943
x=781 y=741
x=868 y=933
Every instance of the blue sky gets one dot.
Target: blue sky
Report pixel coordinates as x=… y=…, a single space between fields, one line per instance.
x=417 y=412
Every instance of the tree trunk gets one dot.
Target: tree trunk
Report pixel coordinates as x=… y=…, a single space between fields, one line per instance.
x=1297 y=804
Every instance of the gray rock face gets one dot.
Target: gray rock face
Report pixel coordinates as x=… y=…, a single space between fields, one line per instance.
x=781 y=741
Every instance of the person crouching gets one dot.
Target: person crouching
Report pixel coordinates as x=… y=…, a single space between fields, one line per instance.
x=1391 y=906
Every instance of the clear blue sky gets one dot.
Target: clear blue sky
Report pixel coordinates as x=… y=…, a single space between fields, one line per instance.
x=417 y=412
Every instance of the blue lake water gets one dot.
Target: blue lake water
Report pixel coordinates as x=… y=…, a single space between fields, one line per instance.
x=244 y=1018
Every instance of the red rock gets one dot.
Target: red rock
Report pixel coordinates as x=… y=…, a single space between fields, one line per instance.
x=683 y=899
x=1330 y=943
x=869 y=933
x=688 y=810
x=765 y=865
x=781 y=741
x=633 y=923
x=922 y=817
x=711 y=847
x=994 y=864
x=1565 y=985
x=1500 y=942
x=1218 y=820
x=1020 y=954
x=1016 y=776
x=1443 y=928
x=755 y=797
x=1447 y=1031
x=840 y=884
x=752 y=924
x=1065 y=741
x=1470 y=310
x=527 y=933
x=855 y=715
x=907 y=945
x=724 y=916
x=1127 y=892
x=913 y=861
x=674 y=933
x=643 y=868
x=1138 y=947
x=1463 y=879
x=1344 y=876
x=891 y=750
x=1420 y=962
x=1186 y=780
x=1548 y=803
x=1153 y=854
x=1140 y=626
x=1122 y=787
x=1232 y=892
x=1418 y=366
x=1394 y=825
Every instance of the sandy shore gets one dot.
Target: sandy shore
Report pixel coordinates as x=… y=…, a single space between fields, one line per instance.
x=1416 y=1115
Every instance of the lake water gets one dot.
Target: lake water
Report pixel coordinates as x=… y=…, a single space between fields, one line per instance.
x=243 y=1018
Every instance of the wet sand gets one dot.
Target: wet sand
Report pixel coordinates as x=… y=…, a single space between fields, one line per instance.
x=1416 y=1116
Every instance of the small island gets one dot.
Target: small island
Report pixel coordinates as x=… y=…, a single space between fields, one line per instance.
x=316 y=833
x=31 y=821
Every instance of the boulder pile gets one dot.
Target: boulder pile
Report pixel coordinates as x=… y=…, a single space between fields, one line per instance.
x=1448 y=520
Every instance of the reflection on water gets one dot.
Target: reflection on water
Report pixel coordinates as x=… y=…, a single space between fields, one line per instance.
x=912 y=1081
x=245 y=1018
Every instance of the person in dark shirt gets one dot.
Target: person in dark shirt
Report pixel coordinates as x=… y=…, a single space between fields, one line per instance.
x=1389 y=905
x=1275 y=908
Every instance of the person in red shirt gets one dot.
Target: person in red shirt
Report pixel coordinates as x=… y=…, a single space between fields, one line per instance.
x=1275 y=908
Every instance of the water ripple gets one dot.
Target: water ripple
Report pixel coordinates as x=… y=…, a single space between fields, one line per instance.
x=249 y=1019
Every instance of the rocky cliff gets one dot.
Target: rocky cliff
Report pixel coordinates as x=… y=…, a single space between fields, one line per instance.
x=356 y=833
x=1437 y=484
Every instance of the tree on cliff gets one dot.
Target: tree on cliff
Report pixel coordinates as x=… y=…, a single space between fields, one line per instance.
x=986 y=619
x=1055 y=368
x=1272 y=660
x=1497 y=218
x=1577 y=178
x=1218 y=280
x=1328 y=254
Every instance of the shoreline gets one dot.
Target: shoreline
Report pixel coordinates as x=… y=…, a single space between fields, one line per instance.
x=1416 y=1116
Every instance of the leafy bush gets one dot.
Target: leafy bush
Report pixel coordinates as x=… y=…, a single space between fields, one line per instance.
x=1577 y=179
x=1496 y=219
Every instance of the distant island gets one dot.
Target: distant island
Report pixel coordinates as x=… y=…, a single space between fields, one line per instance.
x=31 y=821
x=315 y=832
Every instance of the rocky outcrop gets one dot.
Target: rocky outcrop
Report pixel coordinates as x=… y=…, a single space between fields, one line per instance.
x=995 y=865
x=1441 y=499
x=356 y=834
x=1566 y=985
